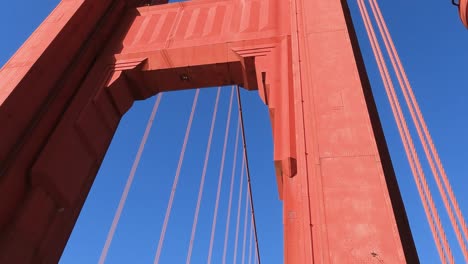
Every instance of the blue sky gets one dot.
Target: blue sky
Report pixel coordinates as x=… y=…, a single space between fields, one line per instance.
x=430 y=40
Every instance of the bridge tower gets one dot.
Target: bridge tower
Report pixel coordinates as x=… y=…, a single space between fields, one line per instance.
x=64 y=92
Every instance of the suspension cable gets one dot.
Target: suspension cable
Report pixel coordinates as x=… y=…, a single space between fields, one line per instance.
x=176 y=179
x=250 y=243
x=228 y=217
x=129 y=182
x=220 y=181
x=407 y=141
x=239 y=203
x=249 y=186
x=423 y=133
x=256 y=257
x=202 y=181
x=245 y=226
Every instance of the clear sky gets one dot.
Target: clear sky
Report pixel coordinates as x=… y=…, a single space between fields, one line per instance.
x=432 y=44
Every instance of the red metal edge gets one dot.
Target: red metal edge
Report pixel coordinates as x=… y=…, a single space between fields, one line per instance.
x=464 y=12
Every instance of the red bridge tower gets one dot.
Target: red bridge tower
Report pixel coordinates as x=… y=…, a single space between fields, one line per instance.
x=63 y=93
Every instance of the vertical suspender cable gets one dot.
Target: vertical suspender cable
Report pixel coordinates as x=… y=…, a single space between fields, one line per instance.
x=250 y=243
x=256 y=257
x=245 y=226
x=249 y=187
x=239 y=205
x=422 y=133
x=176 y=179
x=407 y=141
x=405 y=135
x=220 y=181
x=202 y=181
x=129 y=182
x=228 y=217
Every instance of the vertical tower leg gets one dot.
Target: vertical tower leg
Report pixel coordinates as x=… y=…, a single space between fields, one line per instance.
x=37 y=86
x=341 y=201
x=343 y=205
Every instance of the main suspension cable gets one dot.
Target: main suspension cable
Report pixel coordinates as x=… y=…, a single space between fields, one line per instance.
x=176 y=179
x=129 y=182
x=220 y=181
x=413 y=159
x=249 y=186
x=202 y=181
x=423 y=132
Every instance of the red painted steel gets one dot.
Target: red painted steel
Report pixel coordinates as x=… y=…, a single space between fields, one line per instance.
x=64 y=92
x=424 y=135
x=425 y=195
x=463 y=9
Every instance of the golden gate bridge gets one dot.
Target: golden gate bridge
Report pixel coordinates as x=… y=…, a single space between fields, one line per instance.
x=89 y=61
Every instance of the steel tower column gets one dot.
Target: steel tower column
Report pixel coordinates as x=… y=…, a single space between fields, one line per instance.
x=63 y=93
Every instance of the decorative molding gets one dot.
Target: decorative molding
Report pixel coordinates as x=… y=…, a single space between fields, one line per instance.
x=254 y=51
x=115 y=70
